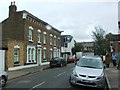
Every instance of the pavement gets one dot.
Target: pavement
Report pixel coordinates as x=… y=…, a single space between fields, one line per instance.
x=112 y=77
x=26 y=71
x=112 y=74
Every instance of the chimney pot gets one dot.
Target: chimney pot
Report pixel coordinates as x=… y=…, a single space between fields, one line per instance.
x=14 y=3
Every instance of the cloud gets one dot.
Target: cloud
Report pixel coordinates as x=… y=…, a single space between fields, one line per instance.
x=74 y=17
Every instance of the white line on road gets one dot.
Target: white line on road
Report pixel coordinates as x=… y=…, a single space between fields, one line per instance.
x=60 y=74
x=37 y=85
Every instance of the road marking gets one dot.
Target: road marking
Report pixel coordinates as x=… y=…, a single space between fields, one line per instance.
x=25 y=81
x=37 y=85
x=72 y=68
x=60 y=74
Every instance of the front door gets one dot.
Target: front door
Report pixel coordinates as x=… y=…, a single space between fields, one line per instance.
x=39 y=56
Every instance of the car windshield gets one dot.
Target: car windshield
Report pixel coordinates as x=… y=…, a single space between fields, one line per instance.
x=90 y=63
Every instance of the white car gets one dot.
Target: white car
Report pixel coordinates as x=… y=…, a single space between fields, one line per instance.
x=89 y=71
x=3 y=78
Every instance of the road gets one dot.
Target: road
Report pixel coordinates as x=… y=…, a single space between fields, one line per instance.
x=57 y=77
x=50 y=78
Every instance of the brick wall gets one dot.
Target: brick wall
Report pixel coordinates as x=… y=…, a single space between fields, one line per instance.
x=10 y=53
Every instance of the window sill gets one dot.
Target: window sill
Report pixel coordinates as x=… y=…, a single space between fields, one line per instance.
x=44 y=43
x=44 y=60
x=30 y=63
x=16 y=64
x=31 y=41
x=39 y=42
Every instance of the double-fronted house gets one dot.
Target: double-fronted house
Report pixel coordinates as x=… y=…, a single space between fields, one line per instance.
x=88 y=46
x=30 y=40
x=67 y=43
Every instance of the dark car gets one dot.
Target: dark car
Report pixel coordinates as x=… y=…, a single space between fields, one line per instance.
x=58 y=61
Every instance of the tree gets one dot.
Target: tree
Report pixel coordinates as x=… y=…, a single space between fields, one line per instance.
x=108 y=38
x=99 y=39
x=78 y=48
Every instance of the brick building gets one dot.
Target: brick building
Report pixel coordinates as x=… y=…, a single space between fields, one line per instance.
x=30 y=41
x=113 y=42
x=88 y=46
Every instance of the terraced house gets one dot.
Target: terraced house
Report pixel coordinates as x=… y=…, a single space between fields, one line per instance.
x=29 y=40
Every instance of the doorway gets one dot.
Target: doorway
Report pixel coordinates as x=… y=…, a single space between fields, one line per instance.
x=39 y=56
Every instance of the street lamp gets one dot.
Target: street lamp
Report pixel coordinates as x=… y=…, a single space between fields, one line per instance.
x=48 y=27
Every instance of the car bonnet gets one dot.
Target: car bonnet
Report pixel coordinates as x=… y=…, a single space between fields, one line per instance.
x=88 y=71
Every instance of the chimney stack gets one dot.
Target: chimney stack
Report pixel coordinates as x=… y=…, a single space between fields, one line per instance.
x=12 y=9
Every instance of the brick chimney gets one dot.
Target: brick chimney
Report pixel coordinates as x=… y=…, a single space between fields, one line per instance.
x=12 y=9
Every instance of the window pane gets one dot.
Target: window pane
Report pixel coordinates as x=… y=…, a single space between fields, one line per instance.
x=38 y=36
x=32 y=54
x=44 y=38
x=29 y=53
x=30 y=34
x=16 y=55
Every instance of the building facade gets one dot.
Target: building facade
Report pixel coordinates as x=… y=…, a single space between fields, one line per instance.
x=67 y=43
x=30 y=41
x=88 y=46
x=113 y=43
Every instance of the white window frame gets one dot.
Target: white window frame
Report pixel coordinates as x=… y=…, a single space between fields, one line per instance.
x=30 y=33
x=31 y=53
x=45 y=37
x=44 y=54
x=55 y=52
x=58 y=52
x=58 y=41
x=16 y=54
x=51 y=39
x=51 y=52
x=54 y=40
x=39 y=36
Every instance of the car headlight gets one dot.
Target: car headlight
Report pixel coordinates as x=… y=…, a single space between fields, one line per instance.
x=74 y=73
x=101 y=76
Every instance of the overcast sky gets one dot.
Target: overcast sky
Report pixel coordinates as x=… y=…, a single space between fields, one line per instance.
x=74 y=17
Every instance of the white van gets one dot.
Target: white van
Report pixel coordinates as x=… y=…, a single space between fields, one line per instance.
x=78 y=55
x=3 y=78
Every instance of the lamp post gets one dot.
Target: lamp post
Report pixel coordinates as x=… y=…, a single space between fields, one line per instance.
x=48 y=27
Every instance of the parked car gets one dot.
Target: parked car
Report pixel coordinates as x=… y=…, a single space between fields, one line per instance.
x=88 y=71
x=58 y=61
x=71 y=59
x=3 y=78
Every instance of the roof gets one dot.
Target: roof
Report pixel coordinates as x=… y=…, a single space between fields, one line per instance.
x=37 y=19
x=66 y=39
x=114 y=37
x=34 y=17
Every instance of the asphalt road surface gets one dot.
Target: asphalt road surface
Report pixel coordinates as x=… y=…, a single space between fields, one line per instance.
x=57 y=77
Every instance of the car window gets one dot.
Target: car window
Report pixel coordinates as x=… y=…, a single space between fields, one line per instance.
x=90 y=63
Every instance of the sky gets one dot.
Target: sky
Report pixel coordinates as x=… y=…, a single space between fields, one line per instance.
x=75 y=17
